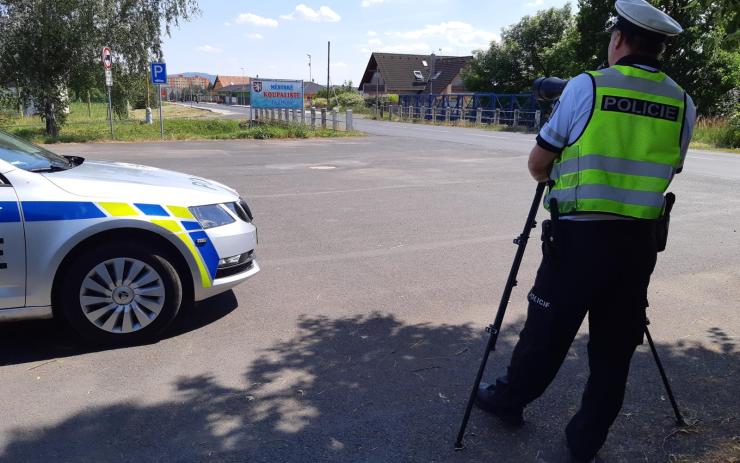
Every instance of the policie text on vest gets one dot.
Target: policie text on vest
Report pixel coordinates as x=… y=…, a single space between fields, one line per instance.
x=639 y=107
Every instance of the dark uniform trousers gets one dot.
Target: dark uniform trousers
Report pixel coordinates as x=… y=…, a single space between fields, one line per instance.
x=601 y=268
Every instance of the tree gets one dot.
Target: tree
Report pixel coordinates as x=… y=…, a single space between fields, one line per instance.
x=47 y=47
x=537 y=45
x=704 y=59
x=695 y=58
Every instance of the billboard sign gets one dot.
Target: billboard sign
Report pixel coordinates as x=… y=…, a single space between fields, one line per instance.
x=276 y=93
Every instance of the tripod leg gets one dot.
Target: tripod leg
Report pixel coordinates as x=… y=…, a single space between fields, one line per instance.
x=679 y=418
x=495 y=328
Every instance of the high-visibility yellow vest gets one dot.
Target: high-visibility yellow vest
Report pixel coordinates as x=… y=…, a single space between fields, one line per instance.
x=629 y=150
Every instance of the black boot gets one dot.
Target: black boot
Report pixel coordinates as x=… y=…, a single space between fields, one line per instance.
x=484 y=399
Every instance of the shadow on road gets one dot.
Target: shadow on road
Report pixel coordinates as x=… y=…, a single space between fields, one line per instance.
x=39 y=340
x=373 y=389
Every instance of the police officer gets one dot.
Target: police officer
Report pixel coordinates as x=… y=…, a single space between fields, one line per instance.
x=609 y=151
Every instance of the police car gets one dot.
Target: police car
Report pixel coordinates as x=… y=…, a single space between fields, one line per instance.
x=114 y=249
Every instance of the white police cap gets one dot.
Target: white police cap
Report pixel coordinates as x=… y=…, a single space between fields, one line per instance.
x=645 y=16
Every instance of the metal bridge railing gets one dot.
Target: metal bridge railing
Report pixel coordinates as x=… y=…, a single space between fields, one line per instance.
x=451 y=115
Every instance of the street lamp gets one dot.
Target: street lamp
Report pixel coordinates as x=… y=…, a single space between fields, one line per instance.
x=310 y=76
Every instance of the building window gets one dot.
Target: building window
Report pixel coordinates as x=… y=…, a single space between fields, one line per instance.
x=418 y=75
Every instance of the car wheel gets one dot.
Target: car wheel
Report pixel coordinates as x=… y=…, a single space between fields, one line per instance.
x=119 y=294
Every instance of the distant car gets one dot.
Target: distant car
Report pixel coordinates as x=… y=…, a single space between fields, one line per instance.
x=114 y=249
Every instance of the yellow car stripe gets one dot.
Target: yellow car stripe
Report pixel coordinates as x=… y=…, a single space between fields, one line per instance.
x=175 y=227
x=205 y=277
x=180 y=212
x=171 y=225
x=118 y=209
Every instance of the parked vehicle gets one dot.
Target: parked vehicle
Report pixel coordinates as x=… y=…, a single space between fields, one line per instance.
x=114 y=249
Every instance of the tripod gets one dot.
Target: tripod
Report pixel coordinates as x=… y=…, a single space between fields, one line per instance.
x=495 y=328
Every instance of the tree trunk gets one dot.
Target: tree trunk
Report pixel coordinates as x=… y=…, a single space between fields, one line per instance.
x=52 y=128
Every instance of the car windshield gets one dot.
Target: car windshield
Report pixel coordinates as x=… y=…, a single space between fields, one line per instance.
x=27 y=156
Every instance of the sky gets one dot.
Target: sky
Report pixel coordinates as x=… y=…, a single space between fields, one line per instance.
x=271 y=39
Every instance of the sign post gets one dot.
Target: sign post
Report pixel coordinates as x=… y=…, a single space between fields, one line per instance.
x=159 y=77
x=107 y=66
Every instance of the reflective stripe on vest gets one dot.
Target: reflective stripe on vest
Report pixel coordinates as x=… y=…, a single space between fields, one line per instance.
x=628 y=152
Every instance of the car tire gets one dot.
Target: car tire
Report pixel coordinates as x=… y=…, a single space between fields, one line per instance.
x=120 y=294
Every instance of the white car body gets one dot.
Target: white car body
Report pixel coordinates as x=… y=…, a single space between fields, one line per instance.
x=44 y=216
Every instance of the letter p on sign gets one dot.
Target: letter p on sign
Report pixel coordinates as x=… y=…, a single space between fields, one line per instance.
x=159 y=73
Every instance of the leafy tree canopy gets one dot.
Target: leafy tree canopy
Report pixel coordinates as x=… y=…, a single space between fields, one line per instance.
x=50 y=47
x=704 y=59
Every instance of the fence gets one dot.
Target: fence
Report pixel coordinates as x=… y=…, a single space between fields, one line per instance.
x=456 y=116
x=512 y=109
x=313 y=118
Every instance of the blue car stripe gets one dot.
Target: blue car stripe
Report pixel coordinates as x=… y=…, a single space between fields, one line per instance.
x=190 y=226
x=37 y=211
x=9 y=211
x=152 y=209
x=207 y=251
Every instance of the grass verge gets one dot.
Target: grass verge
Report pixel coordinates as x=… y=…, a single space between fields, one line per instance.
x=717 y=134
x=181 y=123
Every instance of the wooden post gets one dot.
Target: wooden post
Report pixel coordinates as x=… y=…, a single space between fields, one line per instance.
x=537 y=118
x=497 y=117
x=348 y=123
x=313 y=118
x=516 y=117
x=323 y=118
x=479 y=116
x=334 y=120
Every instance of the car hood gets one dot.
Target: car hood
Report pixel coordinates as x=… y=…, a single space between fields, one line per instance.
x=137 y=183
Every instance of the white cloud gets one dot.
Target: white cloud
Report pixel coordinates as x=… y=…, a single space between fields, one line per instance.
x=534 y=3
x=375 y=42
x=251 y=18
x=323 y=14
x=457 y=36
x=339 y=65
x=209 y=49
x=408 y=47
x=254 y=36
x=371 y=33
x=227 y=24
x=367 y=3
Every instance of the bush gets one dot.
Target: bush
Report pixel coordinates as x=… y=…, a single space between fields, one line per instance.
x=718 y=131
x=318 y=103
x=348 y=100
x=384 y=100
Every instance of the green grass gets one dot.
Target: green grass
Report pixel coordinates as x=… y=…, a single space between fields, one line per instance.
x=716 y=133
x=181 y=123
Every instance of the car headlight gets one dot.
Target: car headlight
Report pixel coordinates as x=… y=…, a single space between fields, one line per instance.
x=241 y=210
x=213 y=215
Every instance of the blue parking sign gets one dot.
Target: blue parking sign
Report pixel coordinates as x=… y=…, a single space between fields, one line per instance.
x=159 y=73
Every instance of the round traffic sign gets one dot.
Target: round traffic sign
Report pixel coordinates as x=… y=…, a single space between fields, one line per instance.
x=107 y=59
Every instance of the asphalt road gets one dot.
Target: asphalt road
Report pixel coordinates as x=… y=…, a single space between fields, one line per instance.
x=383 y=258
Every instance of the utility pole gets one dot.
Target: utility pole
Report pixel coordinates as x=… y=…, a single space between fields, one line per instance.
x=310 y=76
x=431 y=76
x=328 y=62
